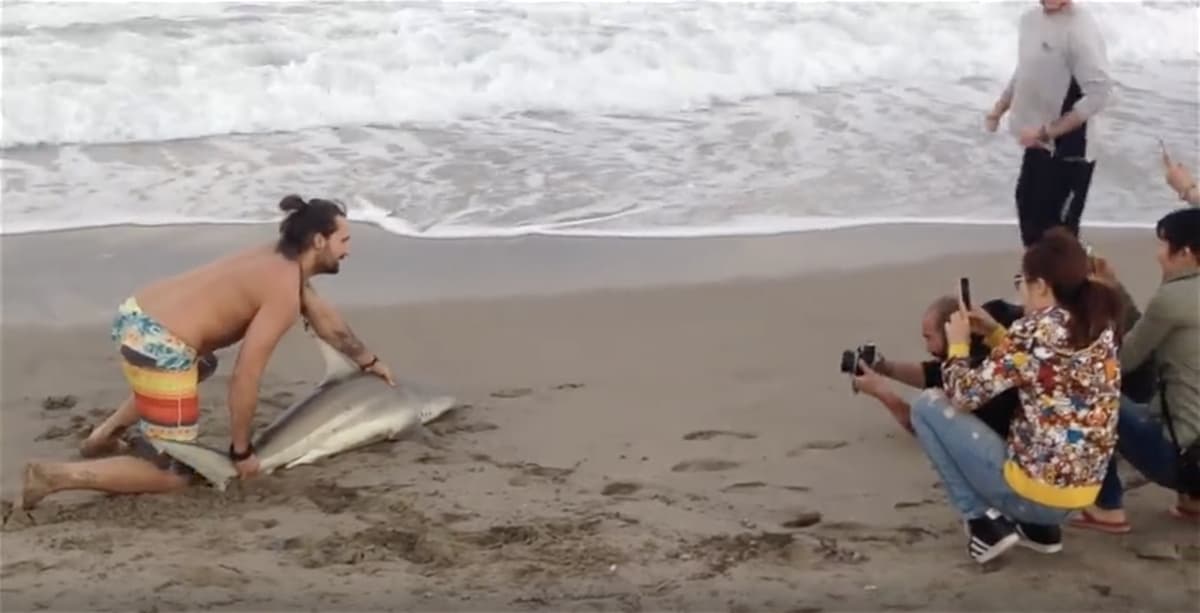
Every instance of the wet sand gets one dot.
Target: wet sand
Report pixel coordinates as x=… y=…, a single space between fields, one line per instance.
x=643 y=425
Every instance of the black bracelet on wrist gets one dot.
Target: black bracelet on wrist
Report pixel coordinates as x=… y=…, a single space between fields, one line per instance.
x=238 y=457
x=370 y=364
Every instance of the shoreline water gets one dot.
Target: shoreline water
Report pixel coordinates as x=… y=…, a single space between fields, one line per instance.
x=74 y=276
x=764 y=227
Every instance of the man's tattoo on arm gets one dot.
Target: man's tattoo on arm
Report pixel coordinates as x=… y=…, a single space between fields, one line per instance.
x=331 y=327
x=345 y=341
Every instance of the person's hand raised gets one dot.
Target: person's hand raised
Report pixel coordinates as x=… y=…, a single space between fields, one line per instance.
x=982 y=322
x=958 y=329
x=1179 y=178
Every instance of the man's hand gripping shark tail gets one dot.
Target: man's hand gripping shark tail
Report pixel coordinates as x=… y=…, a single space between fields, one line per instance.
x=346 y=410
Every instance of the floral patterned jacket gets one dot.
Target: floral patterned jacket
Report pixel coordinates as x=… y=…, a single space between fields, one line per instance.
x=1065 y=432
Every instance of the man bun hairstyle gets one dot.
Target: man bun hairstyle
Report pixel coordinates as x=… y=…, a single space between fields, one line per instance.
x=304 y=220
x=1058 y=259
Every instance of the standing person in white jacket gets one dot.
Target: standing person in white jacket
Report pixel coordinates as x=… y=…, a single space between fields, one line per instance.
x=1061 y=81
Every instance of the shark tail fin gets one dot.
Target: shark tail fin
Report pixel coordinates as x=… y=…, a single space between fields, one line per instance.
x=209 y=463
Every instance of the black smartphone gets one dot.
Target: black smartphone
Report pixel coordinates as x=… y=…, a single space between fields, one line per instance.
x=964 y=291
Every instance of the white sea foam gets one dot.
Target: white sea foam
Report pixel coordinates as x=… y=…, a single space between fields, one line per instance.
x=601 y=119
x=83 y=73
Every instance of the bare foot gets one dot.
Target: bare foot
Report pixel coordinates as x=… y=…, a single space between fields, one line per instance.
x=1115 y=516
x=95 y=445
x=37 y=485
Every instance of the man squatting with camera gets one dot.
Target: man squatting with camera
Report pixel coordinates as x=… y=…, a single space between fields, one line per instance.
x=874 y=370
x=1137 y=384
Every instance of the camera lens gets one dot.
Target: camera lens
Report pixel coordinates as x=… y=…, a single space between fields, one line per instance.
x=848 y=361
x=868 y=354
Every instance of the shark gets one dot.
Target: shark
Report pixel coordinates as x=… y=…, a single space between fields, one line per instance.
x=346 y=410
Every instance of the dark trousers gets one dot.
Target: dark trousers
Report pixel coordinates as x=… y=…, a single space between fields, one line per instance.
x=1051 y=191
x=1142 y=443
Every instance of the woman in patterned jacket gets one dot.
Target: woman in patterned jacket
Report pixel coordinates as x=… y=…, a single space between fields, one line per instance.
x=1062 y=358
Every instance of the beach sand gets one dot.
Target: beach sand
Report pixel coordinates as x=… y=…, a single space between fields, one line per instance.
x=644 y=425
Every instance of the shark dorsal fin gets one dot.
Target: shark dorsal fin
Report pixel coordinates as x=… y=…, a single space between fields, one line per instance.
x=337 y=365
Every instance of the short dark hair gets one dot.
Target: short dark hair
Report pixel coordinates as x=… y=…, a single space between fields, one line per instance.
x=1181 y=230
x=305 y=220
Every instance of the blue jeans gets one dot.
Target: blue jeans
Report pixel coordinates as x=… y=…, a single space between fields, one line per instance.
x=1142 y=442
x=969 y=456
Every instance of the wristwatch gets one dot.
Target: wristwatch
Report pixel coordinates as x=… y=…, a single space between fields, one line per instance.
x=238 y=457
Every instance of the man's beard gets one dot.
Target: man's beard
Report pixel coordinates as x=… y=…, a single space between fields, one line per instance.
x=331 y=268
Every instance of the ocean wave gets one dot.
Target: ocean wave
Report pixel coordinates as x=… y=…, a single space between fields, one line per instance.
x=118 y=73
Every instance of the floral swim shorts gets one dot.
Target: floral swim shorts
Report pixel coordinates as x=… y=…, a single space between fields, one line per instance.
x=163 y=371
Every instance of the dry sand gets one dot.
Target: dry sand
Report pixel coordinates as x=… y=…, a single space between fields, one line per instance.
x=648 y=446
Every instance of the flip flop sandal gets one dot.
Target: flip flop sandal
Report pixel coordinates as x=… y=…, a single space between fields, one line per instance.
x=1088 y=522
x=1181 y=513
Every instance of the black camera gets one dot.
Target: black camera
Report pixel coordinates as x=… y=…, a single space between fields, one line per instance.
x=850 y=359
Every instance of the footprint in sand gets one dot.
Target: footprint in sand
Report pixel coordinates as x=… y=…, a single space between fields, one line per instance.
x=53 y=433
x=704 y=435
x=743 y=486
x=803 y=519
x=816 y=445
x=253 y=524
x=332 y=498
x=909 y=504
x=58 y=403
x=24 y=567
x=454 y=426
x=704 y=465
x=620 y=488
x=515 y=392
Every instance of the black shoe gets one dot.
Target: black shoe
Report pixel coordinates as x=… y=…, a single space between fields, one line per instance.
x=990 y=536
x=1040 y=538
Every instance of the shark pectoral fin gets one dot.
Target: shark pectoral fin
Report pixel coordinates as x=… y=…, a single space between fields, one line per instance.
x=337 y=366
x=436 y=408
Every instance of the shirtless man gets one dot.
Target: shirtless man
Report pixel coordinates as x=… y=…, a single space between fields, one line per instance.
x=166 y=334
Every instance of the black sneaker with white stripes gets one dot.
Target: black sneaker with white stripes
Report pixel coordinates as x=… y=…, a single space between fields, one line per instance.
x=989 y=536
x=1040 y=538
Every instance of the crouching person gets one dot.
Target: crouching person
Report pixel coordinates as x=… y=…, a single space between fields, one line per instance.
x=1161 y=439
x=997 y=413
x=1061 y=357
